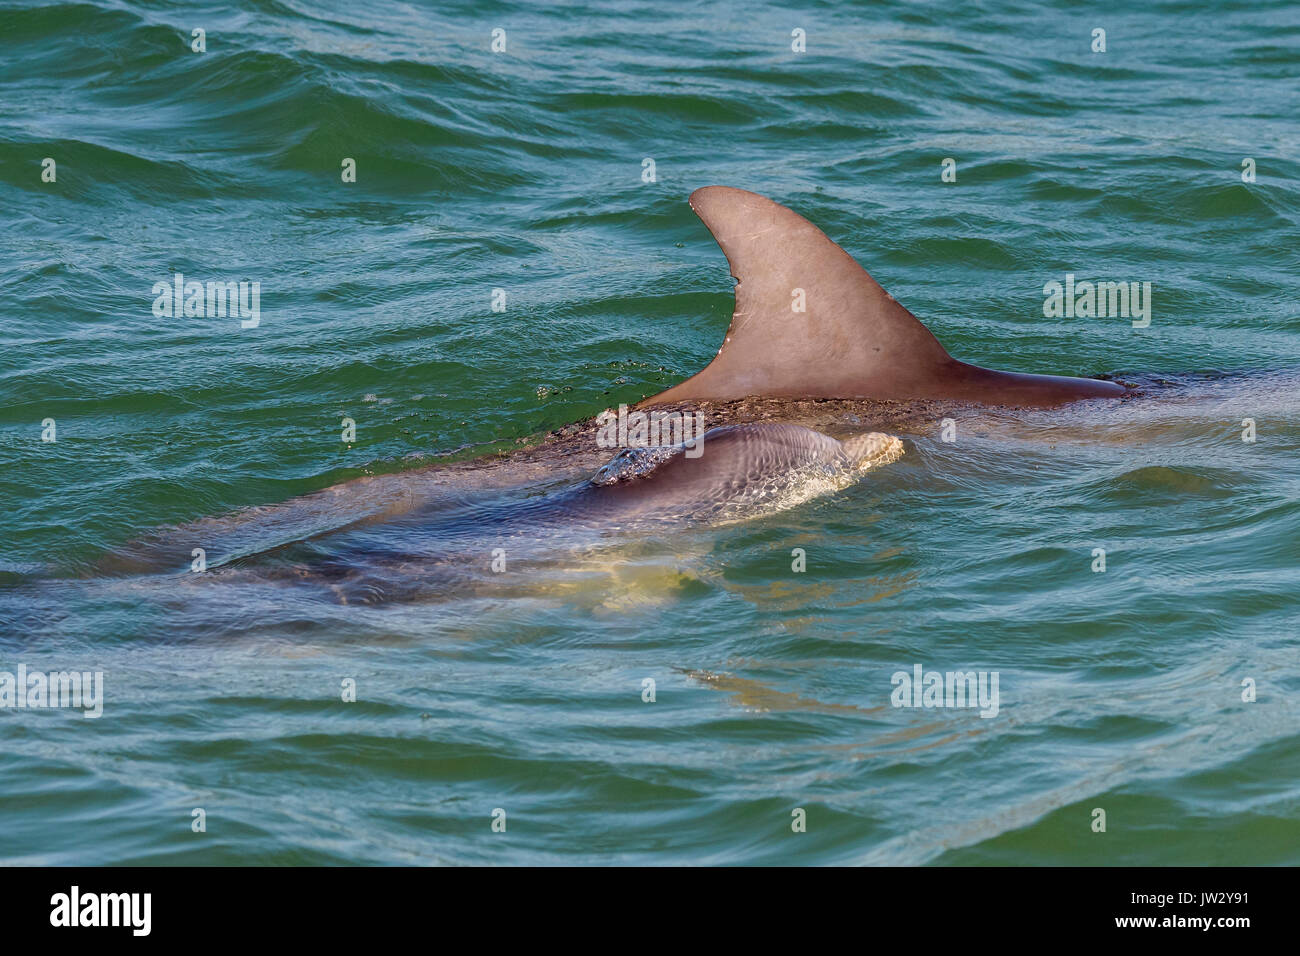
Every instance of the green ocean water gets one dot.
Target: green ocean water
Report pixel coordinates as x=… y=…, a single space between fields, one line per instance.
x=524 y=171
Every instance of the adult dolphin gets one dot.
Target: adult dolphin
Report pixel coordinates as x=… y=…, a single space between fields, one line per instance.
x=853 y=340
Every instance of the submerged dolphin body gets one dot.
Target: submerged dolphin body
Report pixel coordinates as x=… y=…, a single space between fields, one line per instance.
x=743 y=471
x=852 y=340
x=443 y=545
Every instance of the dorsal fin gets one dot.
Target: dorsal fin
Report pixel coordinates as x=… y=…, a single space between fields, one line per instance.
x=853 y=339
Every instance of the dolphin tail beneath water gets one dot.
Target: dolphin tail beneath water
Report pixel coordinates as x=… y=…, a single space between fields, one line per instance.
x=810 y=322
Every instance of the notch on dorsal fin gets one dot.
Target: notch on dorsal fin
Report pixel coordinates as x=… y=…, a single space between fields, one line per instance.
x=810 y=323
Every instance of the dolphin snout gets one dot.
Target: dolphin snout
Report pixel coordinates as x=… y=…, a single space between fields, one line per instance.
x=872 y=449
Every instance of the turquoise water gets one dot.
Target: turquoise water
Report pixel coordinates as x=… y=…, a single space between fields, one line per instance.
x=523 y=171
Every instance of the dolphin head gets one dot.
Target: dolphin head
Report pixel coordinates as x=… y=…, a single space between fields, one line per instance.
x=872 y=449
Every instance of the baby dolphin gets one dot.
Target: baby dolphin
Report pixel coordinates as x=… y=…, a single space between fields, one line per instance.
x=742 y=470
